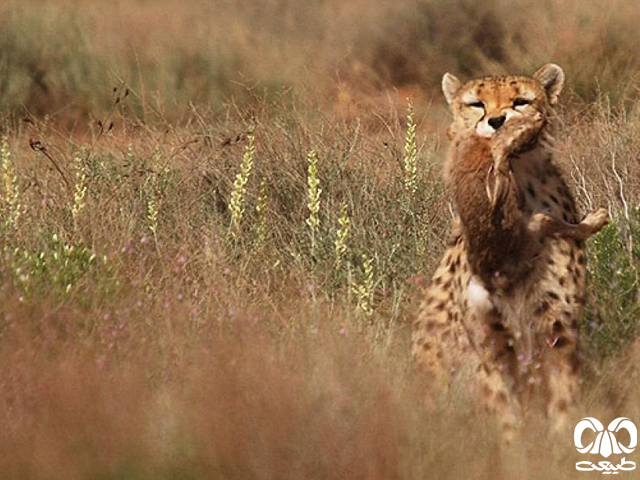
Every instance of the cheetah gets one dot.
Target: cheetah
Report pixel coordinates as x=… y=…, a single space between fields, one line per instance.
x=520 y=336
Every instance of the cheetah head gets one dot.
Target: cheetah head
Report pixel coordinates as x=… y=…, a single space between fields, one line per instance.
x=487 y=103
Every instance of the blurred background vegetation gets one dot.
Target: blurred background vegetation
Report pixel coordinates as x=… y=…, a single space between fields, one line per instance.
x=62 y=58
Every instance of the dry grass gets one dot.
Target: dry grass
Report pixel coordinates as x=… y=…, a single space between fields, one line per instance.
x=139 y=339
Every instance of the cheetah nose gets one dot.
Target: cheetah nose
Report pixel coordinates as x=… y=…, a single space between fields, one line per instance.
x=497 y=122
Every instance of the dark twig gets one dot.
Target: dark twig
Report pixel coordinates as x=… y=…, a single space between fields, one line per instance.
x=37 y=146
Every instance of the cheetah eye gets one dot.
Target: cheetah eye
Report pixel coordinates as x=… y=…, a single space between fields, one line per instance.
x=475 y=105
x=520 y=102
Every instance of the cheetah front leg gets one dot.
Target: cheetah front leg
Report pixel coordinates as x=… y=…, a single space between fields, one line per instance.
x=559 y=336
x=497 y=371
x=557 y=342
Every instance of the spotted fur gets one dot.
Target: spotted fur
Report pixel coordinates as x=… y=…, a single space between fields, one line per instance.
x=521 y=336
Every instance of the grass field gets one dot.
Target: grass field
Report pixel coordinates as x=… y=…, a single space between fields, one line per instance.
x=215 y=220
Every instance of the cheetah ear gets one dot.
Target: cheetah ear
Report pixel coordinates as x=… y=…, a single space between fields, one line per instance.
x=551 y=77
x=450 y=86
